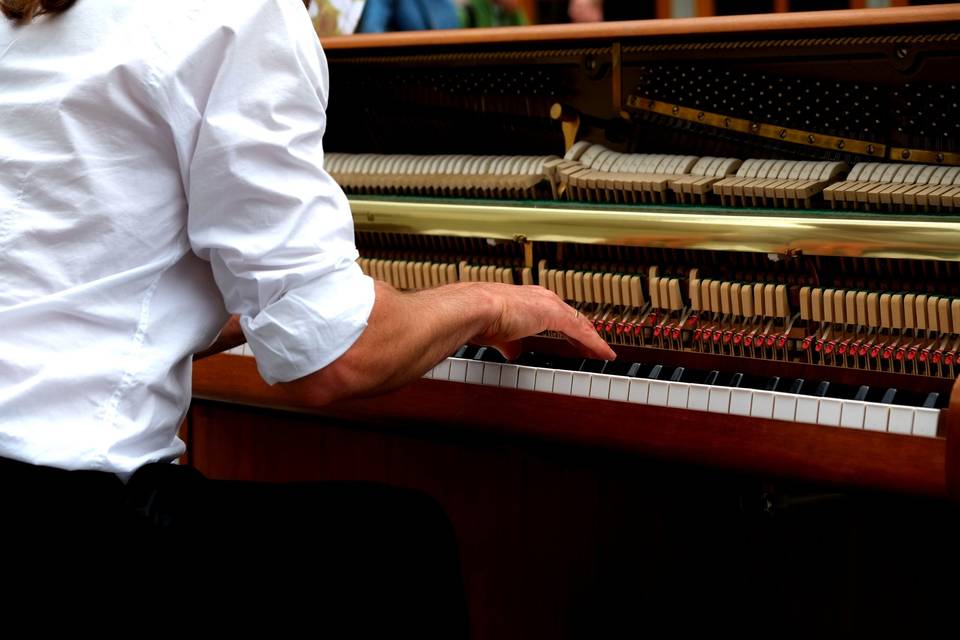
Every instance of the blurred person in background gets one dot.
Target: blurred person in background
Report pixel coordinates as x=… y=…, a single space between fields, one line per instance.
x=492 y=13
x=610 y=10
x=585 y=10
x=408 y=15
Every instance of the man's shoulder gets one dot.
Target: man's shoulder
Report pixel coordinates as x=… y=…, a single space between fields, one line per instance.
x=178 y=30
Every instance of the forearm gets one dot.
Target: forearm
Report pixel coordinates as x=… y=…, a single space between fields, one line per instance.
x=230 y=336
x=406 y=334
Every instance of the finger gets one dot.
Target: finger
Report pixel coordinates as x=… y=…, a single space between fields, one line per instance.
x=510 y=350
x=582 y=332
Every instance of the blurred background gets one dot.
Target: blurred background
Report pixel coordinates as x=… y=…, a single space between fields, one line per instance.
x=333 y=17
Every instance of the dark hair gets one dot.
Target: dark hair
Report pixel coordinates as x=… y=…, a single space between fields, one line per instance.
x=26 y=10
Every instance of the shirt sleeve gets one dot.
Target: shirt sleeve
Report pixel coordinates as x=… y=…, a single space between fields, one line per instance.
x=275 y=227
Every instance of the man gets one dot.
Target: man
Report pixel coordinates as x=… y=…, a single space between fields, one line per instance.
x=161 y=169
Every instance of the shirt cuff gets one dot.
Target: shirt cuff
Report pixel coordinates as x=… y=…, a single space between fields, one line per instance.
x=311 y=325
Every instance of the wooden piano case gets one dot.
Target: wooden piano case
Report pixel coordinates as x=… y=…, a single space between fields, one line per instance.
x=586 y=518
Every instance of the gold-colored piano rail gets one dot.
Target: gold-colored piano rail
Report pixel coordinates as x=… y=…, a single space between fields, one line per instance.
x=814 y=233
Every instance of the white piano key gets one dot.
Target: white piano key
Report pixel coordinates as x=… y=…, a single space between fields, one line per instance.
x=474 y=372
x=698 y=397
x=526 y=378
x=807 y=409
x=639 y=391
x=619 y=388
x=491 y=374
x=544 y=380
x=581 y=384
x=458 y=370
x=875 y=416
x=442 y=370
x=508 y=376
x=762 y=404
x=901 y=420
x=428 y=374
x=851 y=415
x=719 y=400
x=245 y=350
x=678 y=394
x=658 y=393
x=829 y=412
x=600 y=386
x=784 y=406
x=740 y=401
x=925 y=422
x=563 y=382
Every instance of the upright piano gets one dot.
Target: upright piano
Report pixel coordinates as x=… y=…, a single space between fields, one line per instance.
x=760 y=213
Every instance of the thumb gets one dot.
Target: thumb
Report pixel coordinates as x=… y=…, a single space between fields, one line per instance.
x=510 y=350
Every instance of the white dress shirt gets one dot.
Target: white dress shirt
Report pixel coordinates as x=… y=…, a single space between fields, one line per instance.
x=160 y=166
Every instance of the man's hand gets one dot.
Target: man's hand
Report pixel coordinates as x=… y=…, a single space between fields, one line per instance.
x=529 y=310
x=408 y=333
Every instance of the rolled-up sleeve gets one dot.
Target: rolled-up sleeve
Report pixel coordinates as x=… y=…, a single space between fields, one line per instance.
x=273 y=224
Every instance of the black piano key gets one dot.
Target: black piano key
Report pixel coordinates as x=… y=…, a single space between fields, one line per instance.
x=489 y=354
x=754 y=382
x=527 y=359
x=547 y=361
x=462 y=351
x=694 y=376
x=861 y=394
x=930 y=402
x=654 y=373
x=677 y=375
x=634 y=370
x=568 y=364
x=772 y=384
x=796 y=386
x=735 y=380
x=822 y=388
x=711 y=378
x=619 y=368
x=593 y=366
x=889 y=396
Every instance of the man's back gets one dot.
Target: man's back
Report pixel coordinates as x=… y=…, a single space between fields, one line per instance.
x=115 y=116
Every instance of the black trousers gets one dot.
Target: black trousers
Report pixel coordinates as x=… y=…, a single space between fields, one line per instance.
x=339 y=559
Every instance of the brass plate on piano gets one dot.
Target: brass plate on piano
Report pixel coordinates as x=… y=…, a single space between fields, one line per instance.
x=761 y=129
x=676 y=227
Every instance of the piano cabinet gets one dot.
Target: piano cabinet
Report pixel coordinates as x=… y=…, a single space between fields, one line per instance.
x=828 y=455
x=581 y=518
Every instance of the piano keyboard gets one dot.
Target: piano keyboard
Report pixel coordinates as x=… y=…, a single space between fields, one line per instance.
x=788 y=400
